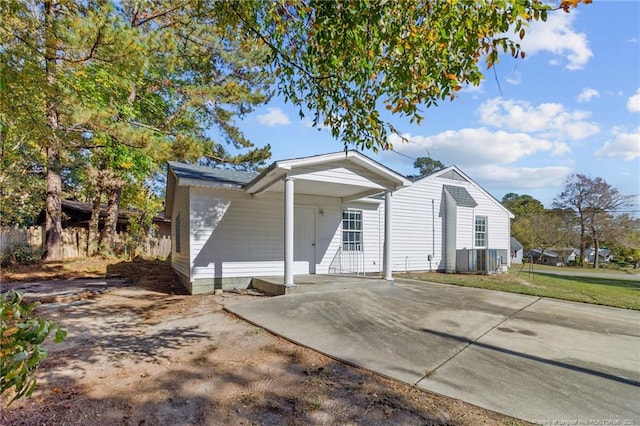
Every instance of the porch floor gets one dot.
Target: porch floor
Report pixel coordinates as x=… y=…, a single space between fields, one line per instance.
x=308 y=283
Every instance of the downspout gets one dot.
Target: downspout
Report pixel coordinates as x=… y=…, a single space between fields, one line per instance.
x=433 y=230
x=380 y=254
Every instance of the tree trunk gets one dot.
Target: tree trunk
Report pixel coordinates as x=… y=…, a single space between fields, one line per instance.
x=53 y=208
x=94 y=223
x=596 y=255
x=113 y=189
x=583 y=247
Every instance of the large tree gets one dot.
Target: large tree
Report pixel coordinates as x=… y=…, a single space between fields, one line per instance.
x=594 y=203
x=161 y=80
x=426 y=166
x=521 y=204
x=526 y=210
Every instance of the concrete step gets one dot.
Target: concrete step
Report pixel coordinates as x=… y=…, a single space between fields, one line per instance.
x=274 y=286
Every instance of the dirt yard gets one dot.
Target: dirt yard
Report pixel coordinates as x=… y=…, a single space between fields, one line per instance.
x=140 y=351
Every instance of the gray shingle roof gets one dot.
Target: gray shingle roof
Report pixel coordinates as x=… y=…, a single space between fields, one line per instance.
x=461 y=196
x=190 y=171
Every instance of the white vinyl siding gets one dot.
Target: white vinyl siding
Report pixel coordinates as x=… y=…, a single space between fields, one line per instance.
x=464 y=225
x=424 y=224
x=180 y=232
x=178 y=235
x=417 y=227
x=342 y=172
x=236 y=235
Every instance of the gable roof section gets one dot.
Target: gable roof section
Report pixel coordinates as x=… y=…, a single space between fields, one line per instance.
x=454 y=173
x=279 y=169
x=460 y=195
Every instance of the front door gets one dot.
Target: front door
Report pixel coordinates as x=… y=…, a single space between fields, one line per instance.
x=305 y=236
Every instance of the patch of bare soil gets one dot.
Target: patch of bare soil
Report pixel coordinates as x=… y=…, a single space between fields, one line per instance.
x=143 y=355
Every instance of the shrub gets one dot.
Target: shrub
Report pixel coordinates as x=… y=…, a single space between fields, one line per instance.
x=21 y=333
x=22 y=255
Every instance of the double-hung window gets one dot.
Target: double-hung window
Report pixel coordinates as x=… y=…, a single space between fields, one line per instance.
x=352 y=230
x=481 y=232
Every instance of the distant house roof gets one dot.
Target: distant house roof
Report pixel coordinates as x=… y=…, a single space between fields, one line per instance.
x=460 y=195
x=536 y=253
x=515 y=244
x=78 y=214
x=603 y=252
x=224 y=176
x=68 y=205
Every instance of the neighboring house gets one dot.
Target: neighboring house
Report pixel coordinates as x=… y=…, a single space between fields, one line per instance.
x=553 y=256
x=517 y=251
x=325 y=214
x=567 y=255
x=447 y=222
x=77 y=214
x=604 y=254
x=549 y=257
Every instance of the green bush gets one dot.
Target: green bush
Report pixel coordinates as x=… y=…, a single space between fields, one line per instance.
x=21 y=333
x=22 y=255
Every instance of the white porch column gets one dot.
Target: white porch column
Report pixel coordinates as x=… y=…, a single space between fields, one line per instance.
x=387 y=237
x=288 y=232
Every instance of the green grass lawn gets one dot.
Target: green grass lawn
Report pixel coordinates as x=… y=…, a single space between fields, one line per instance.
x=619 y=293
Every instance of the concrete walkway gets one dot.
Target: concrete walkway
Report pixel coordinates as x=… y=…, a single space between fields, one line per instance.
x=537 y=359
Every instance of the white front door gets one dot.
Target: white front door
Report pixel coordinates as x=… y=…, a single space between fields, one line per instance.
x=305 y=237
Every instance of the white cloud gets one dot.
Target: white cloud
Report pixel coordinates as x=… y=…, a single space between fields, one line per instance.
x=558 y=37
x=587 y=94
x=548 y=120
x=273 y=117
x=623 y=145
x=518 y=178
x=633 y=104
x=476 y=147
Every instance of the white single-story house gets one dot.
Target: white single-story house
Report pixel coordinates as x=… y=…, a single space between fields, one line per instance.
x=333 y=213
x=568 y=255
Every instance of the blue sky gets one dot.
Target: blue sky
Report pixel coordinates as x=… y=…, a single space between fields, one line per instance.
x=573 y=105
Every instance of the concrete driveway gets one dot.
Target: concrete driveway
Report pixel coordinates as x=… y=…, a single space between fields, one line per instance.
x=536 y=359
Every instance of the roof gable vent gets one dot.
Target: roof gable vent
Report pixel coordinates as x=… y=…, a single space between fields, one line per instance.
x=453 y=175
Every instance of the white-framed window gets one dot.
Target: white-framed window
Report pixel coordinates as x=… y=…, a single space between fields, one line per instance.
x=352 y=230
x=481 y=231
x=177 y=228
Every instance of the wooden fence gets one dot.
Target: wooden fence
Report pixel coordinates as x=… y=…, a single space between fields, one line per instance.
x=74 y=242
